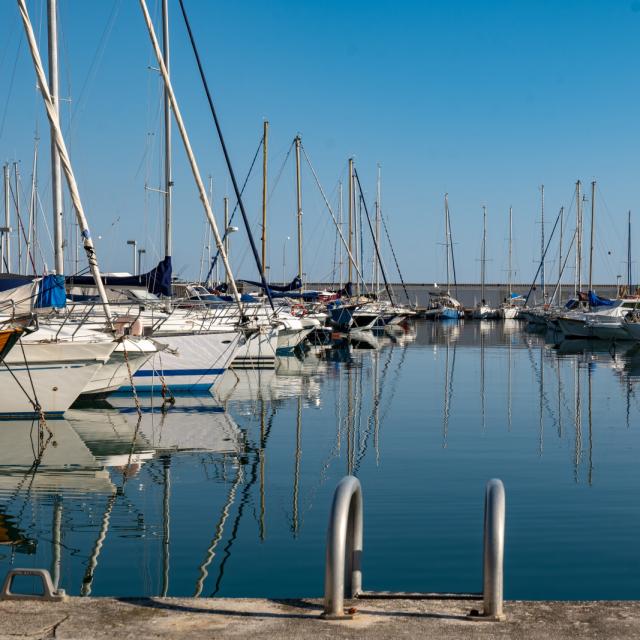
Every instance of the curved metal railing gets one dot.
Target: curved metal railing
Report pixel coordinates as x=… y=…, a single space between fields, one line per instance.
x=343 y=568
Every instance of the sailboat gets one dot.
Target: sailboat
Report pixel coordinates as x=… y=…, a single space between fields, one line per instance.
x=508 y=309
x=443 y=306
x=483 y=311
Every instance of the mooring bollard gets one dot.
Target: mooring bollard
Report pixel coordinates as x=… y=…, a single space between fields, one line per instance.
x=49 y=592
x=344 y=548
x=493 y=557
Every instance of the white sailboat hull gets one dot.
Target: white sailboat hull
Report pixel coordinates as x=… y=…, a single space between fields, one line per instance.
x=56 y=387
x=259 y=351
x=49 y=374
x=115 y=372
x=192 y=362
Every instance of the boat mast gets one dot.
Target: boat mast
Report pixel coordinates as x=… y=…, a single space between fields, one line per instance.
x=375 y=262
x=168 y=181
x=299 y=207
x=484 y=250
x=560 y=256
x=226 y=231
x=542 y=282
x=510 y=249
x=6 y=231
x=340 y=223
x=56 y=182
x=446 y=236
x=31 y=233
x=64 y=159
x=593 y=212
x=16 y=203
x=265 y=138
x=350 y=213
x=629 y=254
x=578 y=274
x=189 y=151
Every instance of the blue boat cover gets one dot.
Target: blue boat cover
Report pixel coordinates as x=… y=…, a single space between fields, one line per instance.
x=51 y=292
x=594 y=301
x=13 y=281
x=157 y=281
x=294 y=285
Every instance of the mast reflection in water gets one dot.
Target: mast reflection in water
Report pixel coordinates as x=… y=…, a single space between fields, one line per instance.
x=229 y=495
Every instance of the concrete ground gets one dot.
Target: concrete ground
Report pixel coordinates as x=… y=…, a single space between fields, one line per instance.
x=244 y=618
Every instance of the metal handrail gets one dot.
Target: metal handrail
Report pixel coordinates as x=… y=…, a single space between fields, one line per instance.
x=343 y=563
x=344 y=548
x=493 y=556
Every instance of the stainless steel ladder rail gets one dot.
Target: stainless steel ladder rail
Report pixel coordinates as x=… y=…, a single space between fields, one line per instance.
x=344 y=554
x=493 y=550
x=344 y=548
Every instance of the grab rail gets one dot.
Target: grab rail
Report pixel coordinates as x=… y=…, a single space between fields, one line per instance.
x=343 y=558
x=344 y=548
x=493 y=560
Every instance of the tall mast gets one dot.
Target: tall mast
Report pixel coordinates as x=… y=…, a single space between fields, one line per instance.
x=6 y=232
x=64 y=159
x=560 y=256
x=226 y=231
x=629 y=254
x=484 y=250
x=375 y=262
x=593 y=212
x=340 y=223
x=31 y=234
x=446 y=235
x=189 y=151
x=542 y=282
x=265 y=140
x=578 y=276
x=16 y=202
x=56 y=181
x=299 y=206
x=168 y=180
x=510 y=250
x=350 y=213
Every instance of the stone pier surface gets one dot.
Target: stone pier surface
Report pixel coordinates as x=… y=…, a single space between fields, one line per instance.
x=143 y=618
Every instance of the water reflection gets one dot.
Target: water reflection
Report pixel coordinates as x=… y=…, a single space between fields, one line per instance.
x=189 y=499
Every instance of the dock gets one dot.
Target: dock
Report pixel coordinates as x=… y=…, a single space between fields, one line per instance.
x=196 y=618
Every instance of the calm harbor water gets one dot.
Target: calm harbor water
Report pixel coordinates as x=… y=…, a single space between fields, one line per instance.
x=229 y=495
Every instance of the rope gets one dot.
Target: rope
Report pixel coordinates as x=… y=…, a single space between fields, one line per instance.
x=133 y=386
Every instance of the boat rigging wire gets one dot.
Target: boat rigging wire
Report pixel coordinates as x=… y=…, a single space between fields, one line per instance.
x=226 y=231
x=382 y=269
x=232 y=174
x=393 y=253
x=13 y=75
x=333 y=217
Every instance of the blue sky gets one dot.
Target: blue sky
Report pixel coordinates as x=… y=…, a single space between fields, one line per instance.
x=483 y=100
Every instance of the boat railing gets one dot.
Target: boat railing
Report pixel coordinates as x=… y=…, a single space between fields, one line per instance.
x=343 y=556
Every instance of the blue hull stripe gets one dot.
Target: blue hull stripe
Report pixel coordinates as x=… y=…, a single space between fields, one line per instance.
x=179 y=372
x=177 y=389
x=20 y=415
x=175 y=409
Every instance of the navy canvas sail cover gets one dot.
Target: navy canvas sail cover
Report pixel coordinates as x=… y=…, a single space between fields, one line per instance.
x=157 y=281
x=294 y=285
x=13 y=280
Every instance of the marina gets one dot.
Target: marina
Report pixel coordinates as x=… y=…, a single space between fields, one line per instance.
x=205 y=491
x=253 y=380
